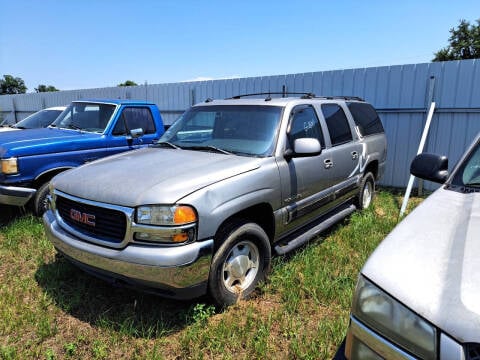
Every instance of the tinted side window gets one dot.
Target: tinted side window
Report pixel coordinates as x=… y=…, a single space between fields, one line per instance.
x=366 y=119
x=337 y=124
x=134 y=118
x=305 y=124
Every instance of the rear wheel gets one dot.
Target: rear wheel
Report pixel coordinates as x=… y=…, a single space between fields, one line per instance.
x=367 y=191
x=240 y=263
x=40 y=202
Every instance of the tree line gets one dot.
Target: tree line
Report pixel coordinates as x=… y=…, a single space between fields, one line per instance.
x=464 y=43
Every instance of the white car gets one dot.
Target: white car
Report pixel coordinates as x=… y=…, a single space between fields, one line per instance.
x=418 y=295
x=40 y=119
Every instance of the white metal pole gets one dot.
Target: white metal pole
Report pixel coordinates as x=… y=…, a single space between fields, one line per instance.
x=420 y=149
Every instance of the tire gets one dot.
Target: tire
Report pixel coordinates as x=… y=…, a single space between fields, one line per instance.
x=367 y=192
x=240 y=263
x=40 y=203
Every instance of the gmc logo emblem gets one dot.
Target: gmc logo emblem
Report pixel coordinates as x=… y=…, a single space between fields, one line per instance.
x=83 y=218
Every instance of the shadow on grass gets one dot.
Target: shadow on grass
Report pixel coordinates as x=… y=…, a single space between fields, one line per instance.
x=102 y=305
x=9 y=213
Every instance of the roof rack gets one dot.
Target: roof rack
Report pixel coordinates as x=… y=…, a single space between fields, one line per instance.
x=340 y=97
x=304 y=95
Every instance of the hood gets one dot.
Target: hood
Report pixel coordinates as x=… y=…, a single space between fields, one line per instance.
x=7 y=128
x=44 y=141
x=151 y=175
x=431 y=263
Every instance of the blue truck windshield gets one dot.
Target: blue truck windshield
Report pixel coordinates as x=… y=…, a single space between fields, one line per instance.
x=88 y=117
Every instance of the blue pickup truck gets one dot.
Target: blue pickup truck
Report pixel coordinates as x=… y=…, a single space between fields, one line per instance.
x=86 y=130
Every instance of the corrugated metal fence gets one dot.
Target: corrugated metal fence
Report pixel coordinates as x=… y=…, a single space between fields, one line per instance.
x=400 y=93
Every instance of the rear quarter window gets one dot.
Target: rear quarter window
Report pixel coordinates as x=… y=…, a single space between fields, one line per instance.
x=337 y=124
x=366 y=118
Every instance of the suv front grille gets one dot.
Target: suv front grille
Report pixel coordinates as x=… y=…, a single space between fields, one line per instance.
x=473 y=352
x=98 y=222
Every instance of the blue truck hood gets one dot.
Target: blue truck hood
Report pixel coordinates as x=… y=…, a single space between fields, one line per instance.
x=151 y=176
x=44 y=141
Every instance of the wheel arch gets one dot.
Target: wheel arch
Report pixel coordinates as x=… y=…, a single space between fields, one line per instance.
x=261 y=214
x=47 y=175
x=373 y=168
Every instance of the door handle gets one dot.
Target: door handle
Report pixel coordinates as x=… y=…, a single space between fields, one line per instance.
x=354 y=155
x=327 y=163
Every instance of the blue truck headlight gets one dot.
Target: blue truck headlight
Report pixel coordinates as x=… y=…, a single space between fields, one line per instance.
x=393 y=320
x=9 y=166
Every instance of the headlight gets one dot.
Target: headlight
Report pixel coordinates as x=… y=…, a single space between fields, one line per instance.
x=166 y=215
x=9 y=166
x=181 y=220
x=51 y=197
x=394 y=321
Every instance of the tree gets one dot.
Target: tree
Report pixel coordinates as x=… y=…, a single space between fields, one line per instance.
x=45 y=88
x=464 y=43
x=12 y=85
x=128 y=83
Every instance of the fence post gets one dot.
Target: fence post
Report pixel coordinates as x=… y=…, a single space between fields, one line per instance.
x=420 y=149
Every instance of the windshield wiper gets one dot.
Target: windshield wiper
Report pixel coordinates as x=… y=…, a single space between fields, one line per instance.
x=168 y=144
x=73 y=126
x=209 y=147
x=473 y=184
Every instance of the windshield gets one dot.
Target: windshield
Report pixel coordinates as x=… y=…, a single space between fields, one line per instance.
x=85 y=116
x=239 y=129
x=40 y=119
x=468 y=174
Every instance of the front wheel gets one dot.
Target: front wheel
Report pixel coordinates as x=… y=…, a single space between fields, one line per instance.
x=240 y=263
x=367 y=191
x=40 y=202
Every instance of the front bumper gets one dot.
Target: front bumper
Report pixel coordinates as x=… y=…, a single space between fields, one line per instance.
x=178 y=272
x=16 y=196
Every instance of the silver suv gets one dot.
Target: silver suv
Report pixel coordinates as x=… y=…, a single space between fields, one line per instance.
x=230 y=182
x=418 y=295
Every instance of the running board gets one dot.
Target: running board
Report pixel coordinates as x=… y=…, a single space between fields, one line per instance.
x=283 y=248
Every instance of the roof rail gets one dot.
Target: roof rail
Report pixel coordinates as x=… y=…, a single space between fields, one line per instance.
x=340 y=97
x=305 y=95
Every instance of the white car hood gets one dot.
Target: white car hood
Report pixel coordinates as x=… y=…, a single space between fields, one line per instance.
x=431 y=263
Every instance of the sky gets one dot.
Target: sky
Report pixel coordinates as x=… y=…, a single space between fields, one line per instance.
x=93 y=44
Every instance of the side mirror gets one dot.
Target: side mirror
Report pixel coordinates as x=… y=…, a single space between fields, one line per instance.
x=304 y=147
x=430 y=167
x=136 y=133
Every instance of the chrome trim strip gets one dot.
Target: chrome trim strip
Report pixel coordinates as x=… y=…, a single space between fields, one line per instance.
x=63 y=168
x=128 y=212
x=450 y=349
x=16 y=196
x=375 y=342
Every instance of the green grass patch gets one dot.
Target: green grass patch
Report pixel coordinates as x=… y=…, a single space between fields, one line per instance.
x=49 y=309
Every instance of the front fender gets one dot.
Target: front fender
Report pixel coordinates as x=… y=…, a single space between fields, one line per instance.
x=222 y=200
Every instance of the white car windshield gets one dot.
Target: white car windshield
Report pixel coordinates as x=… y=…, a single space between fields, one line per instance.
x=469 y=172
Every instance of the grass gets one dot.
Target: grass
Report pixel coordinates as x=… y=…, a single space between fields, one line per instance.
x=51 y=310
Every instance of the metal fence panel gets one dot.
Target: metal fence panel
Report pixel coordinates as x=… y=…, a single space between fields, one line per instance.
x=400 y=93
